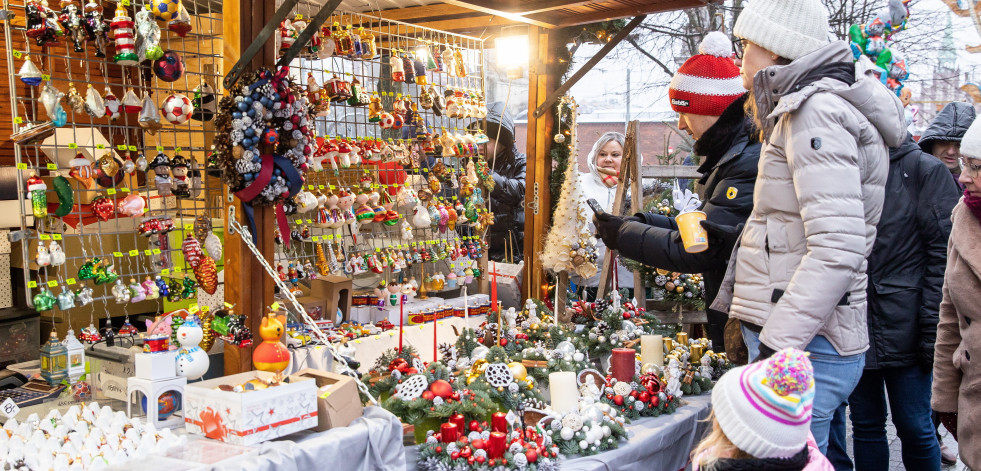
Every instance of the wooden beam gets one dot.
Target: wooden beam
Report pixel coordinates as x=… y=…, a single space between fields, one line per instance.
x=540 y=6
x=537 y=172
x=540 y=110
x=607 y=14
x=515 y=19
x=425 y=12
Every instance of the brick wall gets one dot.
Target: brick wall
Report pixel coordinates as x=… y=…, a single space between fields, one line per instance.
x=652 y=139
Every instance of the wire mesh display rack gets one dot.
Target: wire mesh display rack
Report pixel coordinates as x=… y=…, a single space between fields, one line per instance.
x=47 y=151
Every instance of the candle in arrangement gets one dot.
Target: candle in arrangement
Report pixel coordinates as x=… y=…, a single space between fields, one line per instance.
x=449 y=432
x=683 y=338
x=652 y=350
x=499 y=422
x=565 y=392
x=460 y=421
x=696 y=353
x=495 y=445
x=668 y=344
x=623 y=364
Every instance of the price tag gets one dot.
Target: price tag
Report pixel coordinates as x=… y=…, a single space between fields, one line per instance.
x=147 y=252
x=160 y=148
x=117 y=254
x=44 y=237
x=377 y=337
x=309 y=187
x=299 y=17
x=315 y=238
x=132 y=148
x=299 y=221
x=330 y=236
x=228 y=305
x=378 y=249
x=70 y=281
x=124 y=3
x=52 y=283
x=121 y=147
x=46 y=77
x=155 y=251
x=19 y=120
x=320 y=187
x=165 y=271
x=18 y=54
x=56 y=236
x=188 y=227
x=357 y=340
x=178 y=269
x=193 y=309
x=9 y=408
x=275 y=306
x=21 y=166
x=332 y=187
x=391 y=334
x=52 y=167
x=205 y=308
x=177 y=150
x=111 y=191
x=73 y=146
x=32 y=284
x=134 y=252
x=124 y=190
x=100 y=146
x=309 y=221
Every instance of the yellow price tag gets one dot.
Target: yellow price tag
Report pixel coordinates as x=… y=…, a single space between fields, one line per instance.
x=332 y=187
x=193 y=309
x=21 y=166
x=177 y=150
x=188 y=228
x=111 y=191
x=330 y=236
x=52 y=167
x=44 y=237
x=125 y=3
x=117 y=254
x=100 y=146
x=315 y=238
x=299 y=16
x=156 y=251
x=299 y=221
x=121 y=147
x=73 y=146
x=147 y=252
x=178 y=269
x=320 y=187
x=160 y=148
x=19 y=120
x=32 y=284
x=309 y=221
x=52 y=283
x=134 y=252
x=377 y=337
x=18 y=54
x=45 y=77
x=378 y=249
x=205 y=308
x=132 y=148
x=391 y=334
x=56 y=236
x=70 y=281
x=124 y=190
x=275 y=306
x=165 y=271
x=228 y=305
x=357 y=340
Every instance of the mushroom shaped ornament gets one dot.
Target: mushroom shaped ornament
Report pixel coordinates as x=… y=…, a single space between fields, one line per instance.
x=343 y=154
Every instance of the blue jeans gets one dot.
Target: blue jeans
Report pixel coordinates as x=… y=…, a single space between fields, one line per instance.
x=908 y=390
x=838 y=441
x=835 y=377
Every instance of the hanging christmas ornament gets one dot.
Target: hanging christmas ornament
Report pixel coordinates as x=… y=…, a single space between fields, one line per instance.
x=150 y=288
x=29 y=73
x=174 y=289
x=182 y=24
x=66 y=198
x=51 y=99
x=42 y=23
x=128 y=166
x=169 y=67
x=208 y=339
x=66 y=299
x=147 y=36
x=128 y=329
x=368 y=47
x=161 y=169
x=141 y=163
x=123 y=33
x=150 y=116
x=205 y=103
x=36 y=191
x=75 y=100
x=103 y=208
x=95 y=106
x=192 y=251
x=131 y=103
x=189 y=289
x=165 y=10
x=120 y=292
x=207 y=275
x=182 y=184
x=177 y=109
x=104 y=273
x=398 y=69
x=162 y=287
x=45 y=300
x=113 y=105
x=95 y=25
x=131 y=206
x=43 y=258
x=136 y=294
x=73 y=22
x=55 y=253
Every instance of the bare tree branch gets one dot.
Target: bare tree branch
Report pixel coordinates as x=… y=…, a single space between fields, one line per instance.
x=649 y=56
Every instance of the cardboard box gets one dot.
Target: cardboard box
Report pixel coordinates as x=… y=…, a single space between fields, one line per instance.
x=336 y=291
x=313 y=305
x=5 y=242
x=251 y=417
x=338 y=402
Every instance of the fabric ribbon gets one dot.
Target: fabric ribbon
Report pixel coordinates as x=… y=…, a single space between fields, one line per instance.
x=294 y=182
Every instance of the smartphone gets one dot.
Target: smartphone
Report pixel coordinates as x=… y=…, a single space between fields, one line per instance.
x=595 y=206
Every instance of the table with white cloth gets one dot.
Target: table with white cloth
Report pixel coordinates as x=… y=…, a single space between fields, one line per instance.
x=655 y=443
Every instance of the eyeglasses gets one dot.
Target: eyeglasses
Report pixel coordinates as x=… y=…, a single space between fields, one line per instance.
x=737 y=46
x=969 y=169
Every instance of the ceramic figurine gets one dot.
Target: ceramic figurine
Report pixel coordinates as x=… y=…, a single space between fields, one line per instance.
x=192 y=361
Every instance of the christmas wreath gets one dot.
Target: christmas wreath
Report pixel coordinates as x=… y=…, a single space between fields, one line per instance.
x=593 y=428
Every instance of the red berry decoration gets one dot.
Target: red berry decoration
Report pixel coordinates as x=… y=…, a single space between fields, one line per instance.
x=478 y=444
x=474 y=425
x=428 y=395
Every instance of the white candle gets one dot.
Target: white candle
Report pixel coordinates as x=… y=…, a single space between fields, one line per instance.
x=565 y=393
x=651 y=350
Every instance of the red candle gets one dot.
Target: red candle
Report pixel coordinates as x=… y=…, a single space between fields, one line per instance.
x=494 y=285
x=499 y=422
x=622 y=364
x=449 y=432
x=495 y=445
x=460 y=421
x=401 y=319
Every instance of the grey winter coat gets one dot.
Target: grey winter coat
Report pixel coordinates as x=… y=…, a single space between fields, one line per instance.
x=800 y=269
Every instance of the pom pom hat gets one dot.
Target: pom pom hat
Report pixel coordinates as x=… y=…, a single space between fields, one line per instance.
x=788 y=28
x=765 y=408
x=971 y=142
x=707 y=83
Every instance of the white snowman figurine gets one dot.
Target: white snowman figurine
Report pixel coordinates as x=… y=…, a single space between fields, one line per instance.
x=57 y=254
x=192 y=361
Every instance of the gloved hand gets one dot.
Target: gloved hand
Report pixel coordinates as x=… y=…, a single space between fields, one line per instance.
x=949 y=419
x=765 y=351
x=608 y=227
x=720 y=236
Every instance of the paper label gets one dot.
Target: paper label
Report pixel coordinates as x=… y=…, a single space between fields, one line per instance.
x=9 y=408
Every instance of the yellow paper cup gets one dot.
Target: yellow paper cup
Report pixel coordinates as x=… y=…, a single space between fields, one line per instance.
x=693 y=235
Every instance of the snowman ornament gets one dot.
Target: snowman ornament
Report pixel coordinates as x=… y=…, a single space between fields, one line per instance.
x=192 y=360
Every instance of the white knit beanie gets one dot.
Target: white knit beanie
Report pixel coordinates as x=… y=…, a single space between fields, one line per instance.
x=971 y=142
x=788 y=28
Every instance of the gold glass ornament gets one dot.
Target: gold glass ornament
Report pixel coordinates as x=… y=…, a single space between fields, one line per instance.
x=518 y=370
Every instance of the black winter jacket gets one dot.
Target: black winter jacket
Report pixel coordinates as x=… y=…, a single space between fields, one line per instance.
x=950 y=125
x=731 y=157
x=507 y=200
x=906 y=268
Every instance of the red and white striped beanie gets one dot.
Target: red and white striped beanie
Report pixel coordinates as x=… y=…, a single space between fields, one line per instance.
x=707 y=83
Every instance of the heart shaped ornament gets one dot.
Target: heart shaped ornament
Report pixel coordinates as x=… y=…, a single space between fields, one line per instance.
x=131 y=206
x=103 y=208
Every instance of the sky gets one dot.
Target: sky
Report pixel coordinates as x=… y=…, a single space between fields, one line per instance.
x=606 y=86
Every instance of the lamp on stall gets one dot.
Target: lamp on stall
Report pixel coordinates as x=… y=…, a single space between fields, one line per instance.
x=54 y=361
x=76 y=356
x=512 y=54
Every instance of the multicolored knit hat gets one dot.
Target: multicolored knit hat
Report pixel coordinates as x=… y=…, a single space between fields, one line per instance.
x=765 y=408
x=707 y=83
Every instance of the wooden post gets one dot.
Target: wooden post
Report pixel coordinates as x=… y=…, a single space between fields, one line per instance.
x=248 y=287
x=539 y=169
x=628 y=173
x=632 y=145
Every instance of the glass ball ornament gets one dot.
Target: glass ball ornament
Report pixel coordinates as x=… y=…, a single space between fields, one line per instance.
x=559 y=138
